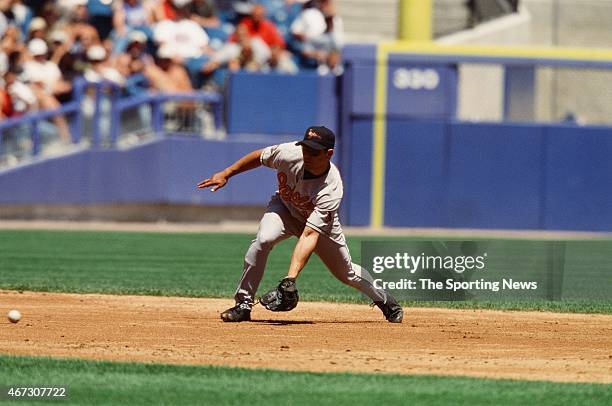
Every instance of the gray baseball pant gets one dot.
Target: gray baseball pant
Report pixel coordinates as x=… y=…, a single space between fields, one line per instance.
x=277 y=225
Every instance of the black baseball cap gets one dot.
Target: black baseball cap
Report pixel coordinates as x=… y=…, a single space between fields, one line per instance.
x=318 y=137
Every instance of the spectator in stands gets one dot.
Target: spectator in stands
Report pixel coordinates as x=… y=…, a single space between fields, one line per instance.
x=280 y=61
x=259 y=27
x=204 y=12
x=11 y=43
x=282 y=12
x=332 y=41
x=17 y=14
x=100 y=68
x=49 y=12
x=6 y=102
x=70 y=64
x=167 y=75
x=308 y=25
x=166 y=10
x=132 y=63
x=100 y=16
x=18 y=96
x=3 y=23
x=129 y=16
x=318 y=36
x=43 y=73
x=240 y=10
x=246 y=57
x=37 y=28
x=133 y=60
x=185 y=37
x=46 y=81
x=4 y=63
x=85 y=35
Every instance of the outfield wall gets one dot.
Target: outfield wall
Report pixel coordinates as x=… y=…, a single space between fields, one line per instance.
x=408 y=161
x=443 y=173
x=277 y=104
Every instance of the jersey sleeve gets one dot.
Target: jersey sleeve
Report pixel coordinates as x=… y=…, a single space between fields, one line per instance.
x=322 y=217
x=272 y=156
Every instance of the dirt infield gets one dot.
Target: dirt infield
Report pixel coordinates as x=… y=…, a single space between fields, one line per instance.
x=314 y=337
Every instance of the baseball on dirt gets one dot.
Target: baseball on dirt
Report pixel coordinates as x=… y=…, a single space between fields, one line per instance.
x=14 y=316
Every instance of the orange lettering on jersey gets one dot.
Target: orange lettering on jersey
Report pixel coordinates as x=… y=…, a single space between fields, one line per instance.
x=293 y=197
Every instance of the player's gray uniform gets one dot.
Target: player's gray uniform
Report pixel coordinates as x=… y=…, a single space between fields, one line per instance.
x=299 y=202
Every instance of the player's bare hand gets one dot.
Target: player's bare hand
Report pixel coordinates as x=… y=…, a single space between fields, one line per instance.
x=215 y=182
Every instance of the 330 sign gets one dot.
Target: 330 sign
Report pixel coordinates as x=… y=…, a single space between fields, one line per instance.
x=416 y=79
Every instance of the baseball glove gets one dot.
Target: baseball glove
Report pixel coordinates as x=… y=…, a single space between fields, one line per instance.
x=283 y=298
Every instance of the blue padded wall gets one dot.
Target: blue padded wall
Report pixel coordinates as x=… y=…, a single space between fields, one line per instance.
x=578 y=179
x=166 y=170
x=281 y=104
x=204 y=159
x=59 y=180
x=357 y=174
x=415 y=175
x=358 y=88
x=495 y=176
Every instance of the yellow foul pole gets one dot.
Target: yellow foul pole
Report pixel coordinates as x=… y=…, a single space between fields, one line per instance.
x=415 y=20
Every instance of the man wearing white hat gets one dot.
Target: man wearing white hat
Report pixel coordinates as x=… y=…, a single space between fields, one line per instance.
x=134 y=59
x=37 y=28
x=99 y=69
x=41 y=70
x=60 y=45
x=46 y=82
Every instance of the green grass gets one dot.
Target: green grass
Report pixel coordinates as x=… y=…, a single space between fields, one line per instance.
x=107 y=383
x=196 y=265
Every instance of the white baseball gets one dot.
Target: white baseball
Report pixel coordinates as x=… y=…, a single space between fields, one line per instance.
x=14 y=316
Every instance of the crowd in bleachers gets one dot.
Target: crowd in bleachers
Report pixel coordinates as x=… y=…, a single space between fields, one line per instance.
x=165 y=45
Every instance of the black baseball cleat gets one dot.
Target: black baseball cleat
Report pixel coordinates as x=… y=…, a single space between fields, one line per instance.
x=391 y=309
x=236 y=314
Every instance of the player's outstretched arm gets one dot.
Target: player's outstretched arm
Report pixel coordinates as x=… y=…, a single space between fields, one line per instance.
x=251 y=160
x=302 y=251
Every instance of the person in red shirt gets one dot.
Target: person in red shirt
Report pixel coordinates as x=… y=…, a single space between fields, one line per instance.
x=263 y=44
x=258 y=26
x=6 y=104
x=166 y=10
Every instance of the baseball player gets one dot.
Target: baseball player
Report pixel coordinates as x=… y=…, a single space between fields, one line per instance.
x=305 y=206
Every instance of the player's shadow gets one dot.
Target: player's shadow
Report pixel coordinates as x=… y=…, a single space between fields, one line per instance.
x=297 y=322
x=282 y=322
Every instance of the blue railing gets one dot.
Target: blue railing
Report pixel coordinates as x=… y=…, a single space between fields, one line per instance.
x=155 y=101
x=119 y=104
x=33 y=121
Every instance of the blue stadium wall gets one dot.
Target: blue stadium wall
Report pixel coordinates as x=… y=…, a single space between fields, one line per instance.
x=163 y=171
x=438 y=172
x=442 y=173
